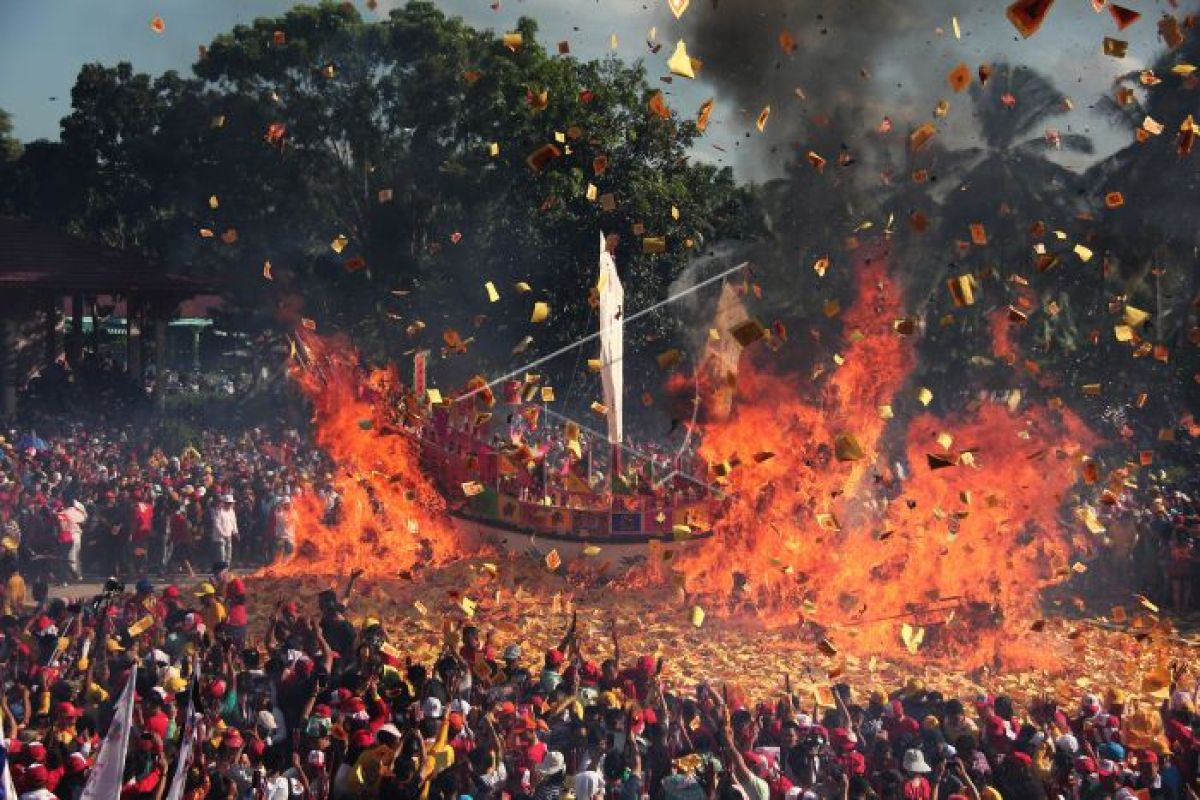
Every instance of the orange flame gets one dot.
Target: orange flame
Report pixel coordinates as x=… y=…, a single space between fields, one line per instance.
x=858 y=547
x=392 y=517
x=864 y=520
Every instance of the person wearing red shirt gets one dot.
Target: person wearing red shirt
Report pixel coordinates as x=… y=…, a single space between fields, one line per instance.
x=154 y=719
x=141 y=527
x=177 y=546
x=916 y=784
x=145 y=769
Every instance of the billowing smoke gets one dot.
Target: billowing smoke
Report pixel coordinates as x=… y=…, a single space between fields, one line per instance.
x=838 y=71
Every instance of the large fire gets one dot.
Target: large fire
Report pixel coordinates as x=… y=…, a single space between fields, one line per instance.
x=880 y=525
x=392 y=517
x=873 y=523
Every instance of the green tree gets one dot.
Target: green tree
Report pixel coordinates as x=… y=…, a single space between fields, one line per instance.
x=10 y=148
x=415 y=107
x=407 y=139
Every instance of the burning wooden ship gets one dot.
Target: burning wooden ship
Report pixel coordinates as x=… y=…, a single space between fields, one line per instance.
x=548 y=483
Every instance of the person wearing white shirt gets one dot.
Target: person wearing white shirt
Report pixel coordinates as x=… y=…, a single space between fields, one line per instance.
x=285 y=529
x=224 y=528
x=70 y=521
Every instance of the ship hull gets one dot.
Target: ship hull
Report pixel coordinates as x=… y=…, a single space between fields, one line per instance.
x=621 y=550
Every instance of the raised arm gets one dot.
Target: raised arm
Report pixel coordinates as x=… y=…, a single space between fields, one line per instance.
x=569 y=636
x=966 y=776
x=616 y=642
x=354 y=576
x=497 y=743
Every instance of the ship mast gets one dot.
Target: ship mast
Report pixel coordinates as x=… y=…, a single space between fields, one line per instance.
x=612 y=343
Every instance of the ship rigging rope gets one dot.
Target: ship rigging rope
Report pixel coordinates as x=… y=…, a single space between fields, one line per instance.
x=537 y=362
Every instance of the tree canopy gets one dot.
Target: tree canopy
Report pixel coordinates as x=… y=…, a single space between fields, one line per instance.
x=10 y=148
x=384 y=170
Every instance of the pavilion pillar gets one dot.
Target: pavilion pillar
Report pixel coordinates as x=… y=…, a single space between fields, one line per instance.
x=51 y=334
x=95 y=325
x=160 y=359
x=133 y=338
x=196 y=348
x=8 y=364
x=75 y=341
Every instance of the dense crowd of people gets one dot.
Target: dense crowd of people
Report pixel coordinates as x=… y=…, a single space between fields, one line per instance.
x=106 y=500
x=1166 y=554
x=296 y=701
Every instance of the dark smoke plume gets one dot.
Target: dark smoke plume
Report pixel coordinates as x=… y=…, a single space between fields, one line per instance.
x=839 y=63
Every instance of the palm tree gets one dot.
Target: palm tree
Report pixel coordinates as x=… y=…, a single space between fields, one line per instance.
x=1009 y=186
x=1153 y=237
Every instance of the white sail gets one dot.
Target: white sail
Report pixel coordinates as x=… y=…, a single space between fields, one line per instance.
x=612 y=335
x=722 y=354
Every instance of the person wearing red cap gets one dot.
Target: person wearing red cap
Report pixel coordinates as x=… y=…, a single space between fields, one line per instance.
x=637 y=681
x=551 y=674
x=34 y=783
x=65 y=715
x=238 y=620
x=75 y=775
x=900 y=727
x=1149 y=776
x=375 y=760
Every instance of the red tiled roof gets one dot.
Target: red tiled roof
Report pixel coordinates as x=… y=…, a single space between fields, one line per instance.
x=34 y=256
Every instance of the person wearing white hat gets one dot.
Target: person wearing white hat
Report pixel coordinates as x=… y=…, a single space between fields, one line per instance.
x=551 y=771
x=70 y=524
x=284 y=521
x=431 y=708
x=224 y=528
x=914 y=762
x=916 y=785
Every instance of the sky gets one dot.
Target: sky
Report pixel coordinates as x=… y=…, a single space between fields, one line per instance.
x=43 y=45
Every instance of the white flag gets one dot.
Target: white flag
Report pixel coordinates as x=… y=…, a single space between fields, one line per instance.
x=184 y=759
x=109 y=770
x=612 y=340
x=8 y=790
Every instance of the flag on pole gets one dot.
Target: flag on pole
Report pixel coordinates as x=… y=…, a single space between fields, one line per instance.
x=109 y=770
x=612 y=340
x=183 y=760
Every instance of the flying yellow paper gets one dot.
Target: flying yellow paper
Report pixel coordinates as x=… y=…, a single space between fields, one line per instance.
x=912 y=637
x=763 y=116
x=680 y=63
